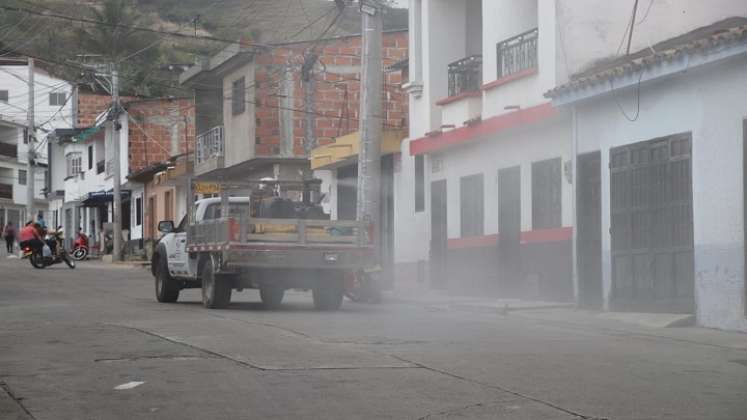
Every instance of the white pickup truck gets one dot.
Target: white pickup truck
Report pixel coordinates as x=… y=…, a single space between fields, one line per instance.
x=282 y=249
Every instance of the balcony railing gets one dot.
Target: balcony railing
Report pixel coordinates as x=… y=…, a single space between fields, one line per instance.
x=6 y=191
x=209 y=144
x=517 y=53
x=8 y=150
x=465 y=75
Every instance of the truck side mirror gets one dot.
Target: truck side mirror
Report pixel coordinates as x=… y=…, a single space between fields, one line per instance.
x=166 y=226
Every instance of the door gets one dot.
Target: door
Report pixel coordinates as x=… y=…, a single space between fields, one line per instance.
x=509 y=229
x=589 y=225
x=652 y=226
x=386 y=203
x=347 y=192
x=439 y=235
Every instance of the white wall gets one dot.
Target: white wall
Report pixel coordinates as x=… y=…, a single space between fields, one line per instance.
x=712 y=109
x=47 y=117
x=593 y=29
x=239 y=129
x=519 y=147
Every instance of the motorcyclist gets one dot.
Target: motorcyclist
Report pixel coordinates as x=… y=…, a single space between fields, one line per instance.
x=30 y=236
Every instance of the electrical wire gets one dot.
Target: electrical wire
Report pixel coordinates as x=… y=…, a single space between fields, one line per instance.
x=131 y=27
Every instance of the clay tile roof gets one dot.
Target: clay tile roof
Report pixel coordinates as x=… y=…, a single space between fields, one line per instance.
x=728 y=31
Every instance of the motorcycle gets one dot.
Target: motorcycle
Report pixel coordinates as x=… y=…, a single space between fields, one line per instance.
x=39 y=260
x=363 y=286
x=80 y=247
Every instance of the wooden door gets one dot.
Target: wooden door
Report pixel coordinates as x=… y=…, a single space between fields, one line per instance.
x=509 y=228
x=439 y=235
x=589 y=235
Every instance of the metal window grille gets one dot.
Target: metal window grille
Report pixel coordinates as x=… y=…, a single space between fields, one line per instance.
x=465 y=75
x=210 y=144
x=74 y=164
x=21 y=177
x=472 y=205
x=546 y=191
x=238 y=103
x=419 y=183
x=517 y=53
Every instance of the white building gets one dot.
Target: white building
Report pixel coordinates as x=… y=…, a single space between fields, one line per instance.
x=486 y=194
x=483 y=192
x=662 y=140
x=53 y=109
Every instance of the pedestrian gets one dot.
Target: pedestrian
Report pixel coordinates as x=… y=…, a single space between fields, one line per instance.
x=9 y=233
x=40 y=220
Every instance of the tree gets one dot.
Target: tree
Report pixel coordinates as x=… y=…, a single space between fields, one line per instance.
x=136 y=53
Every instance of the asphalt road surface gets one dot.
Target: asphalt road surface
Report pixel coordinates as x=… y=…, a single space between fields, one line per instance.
x=93 y=343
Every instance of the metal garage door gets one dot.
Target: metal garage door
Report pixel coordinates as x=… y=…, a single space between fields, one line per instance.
x=652 y=226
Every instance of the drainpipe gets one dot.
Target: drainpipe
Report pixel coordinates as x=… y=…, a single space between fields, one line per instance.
x=574 y=189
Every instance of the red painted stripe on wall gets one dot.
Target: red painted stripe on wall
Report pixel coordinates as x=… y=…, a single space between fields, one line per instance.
x=528 y=237
x=490 y=126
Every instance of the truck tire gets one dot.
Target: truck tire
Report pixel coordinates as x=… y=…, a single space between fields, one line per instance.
x=216 y=292
x=271 y=296
x=328 y=291
x=167 y=288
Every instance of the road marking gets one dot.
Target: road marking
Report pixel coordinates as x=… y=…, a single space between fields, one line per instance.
x=128 y=385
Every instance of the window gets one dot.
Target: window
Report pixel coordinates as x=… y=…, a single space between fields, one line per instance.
x=4 y=96
x=419 y=183
x=546 y=184
x=22 y=177
x=138 y=211
x=90 y=157
x=238 y=104
x=74 y=164
x=471 y=205
x=57 y=98
x=168 y=206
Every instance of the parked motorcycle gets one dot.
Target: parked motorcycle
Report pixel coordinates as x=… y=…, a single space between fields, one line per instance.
x=363 y=286
x=40 y=261
x=80 y=247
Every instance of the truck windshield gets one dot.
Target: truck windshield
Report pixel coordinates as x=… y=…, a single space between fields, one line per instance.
x=213 y=211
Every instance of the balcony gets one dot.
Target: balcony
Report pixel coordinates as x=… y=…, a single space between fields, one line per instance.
x=6 y=191
x=464 y=102
x=209 y=150
x=517 y=54
x=465 y=75
x=9 y=150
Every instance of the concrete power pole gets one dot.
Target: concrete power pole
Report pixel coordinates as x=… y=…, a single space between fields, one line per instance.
x=30 y=136
x=117 y=203
x=371 y=124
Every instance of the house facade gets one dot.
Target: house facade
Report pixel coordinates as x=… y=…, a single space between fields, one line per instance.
x=53 y=108
x=660 y=136
x=484 y=185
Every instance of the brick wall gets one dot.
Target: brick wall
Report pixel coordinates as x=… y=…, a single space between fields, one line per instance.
x=153 y=125
x=337 y=91
x=90 y=106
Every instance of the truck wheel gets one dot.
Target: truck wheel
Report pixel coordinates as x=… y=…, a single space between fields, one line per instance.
x=216 y=292
x=167 y=289
x=328 y=291
x=271 y=296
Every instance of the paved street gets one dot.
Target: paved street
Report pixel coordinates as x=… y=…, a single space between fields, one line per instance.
x=69 y=338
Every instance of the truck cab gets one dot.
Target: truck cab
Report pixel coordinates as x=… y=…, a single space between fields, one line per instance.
x=172 y=247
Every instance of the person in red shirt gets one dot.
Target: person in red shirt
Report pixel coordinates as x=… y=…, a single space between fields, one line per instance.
x=29 y=236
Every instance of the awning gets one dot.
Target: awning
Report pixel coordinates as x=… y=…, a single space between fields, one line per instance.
x=100 y=198
x=345 y=149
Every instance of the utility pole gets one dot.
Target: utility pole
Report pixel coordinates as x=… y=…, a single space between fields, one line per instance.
x=30 y=136
x=369 y=157
x=117 y=202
